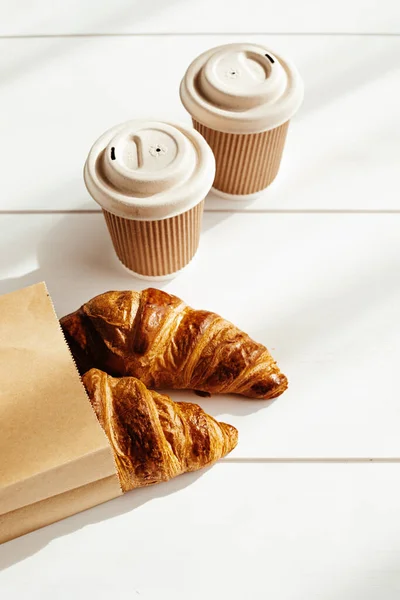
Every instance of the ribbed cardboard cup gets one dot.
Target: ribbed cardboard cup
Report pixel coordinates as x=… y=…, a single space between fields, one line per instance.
x=241 y=98
x=156 y=248
x=245 y=163
x=151 y=178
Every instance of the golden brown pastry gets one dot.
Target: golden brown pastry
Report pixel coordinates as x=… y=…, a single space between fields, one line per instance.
x=156 y=337
x=154 y=438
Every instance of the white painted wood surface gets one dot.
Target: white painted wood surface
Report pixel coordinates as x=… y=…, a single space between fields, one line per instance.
x=50 y=17
x=306 y=507
x=287 y=532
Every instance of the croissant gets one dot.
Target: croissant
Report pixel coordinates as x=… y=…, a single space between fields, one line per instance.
x=156 y=337
x=154 y=438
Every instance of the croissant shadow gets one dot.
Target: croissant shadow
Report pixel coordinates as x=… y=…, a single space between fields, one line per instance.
x=17 y=550
x=221 y=404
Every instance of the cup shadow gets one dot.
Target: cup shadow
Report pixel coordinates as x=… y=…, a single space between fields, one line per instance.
x=217 y=210
x=21 y=548
x=76 y=252
x=76 y=259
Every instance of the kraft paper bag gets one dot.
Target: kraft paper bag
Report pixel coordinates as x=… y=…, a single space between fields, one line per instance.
x=55 y=459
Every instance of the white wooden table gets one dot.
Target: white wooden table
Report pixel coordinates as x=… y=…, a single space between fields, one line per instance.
x=307 y=506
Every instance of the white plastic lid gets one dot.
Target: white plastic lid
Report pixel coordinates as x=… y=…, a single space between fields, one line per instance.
x=241 y=88
x=149 y=170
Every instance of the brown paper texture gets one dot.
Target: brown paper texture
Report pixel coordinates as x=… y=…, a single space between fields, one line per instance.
x=31 y=517
x=50 y=440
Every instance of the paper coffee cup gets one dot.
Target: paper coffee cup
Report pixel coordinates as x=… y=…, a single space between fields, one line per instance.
x=241 y=98
x=151 y=178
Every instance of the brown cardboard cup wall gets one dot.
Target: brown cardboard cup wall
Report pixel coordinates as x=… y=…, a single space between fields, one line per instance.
x=51 y=444
x=246 y=163
x=156 y=248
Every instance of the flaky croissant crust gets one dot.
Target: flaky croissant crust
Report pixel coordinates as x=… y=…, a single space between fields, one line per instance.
x=154 y=438
x=156 y=337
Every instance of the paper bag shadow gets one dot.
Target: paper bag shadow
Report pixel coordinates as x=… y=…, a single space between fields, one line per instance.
x=17 y=550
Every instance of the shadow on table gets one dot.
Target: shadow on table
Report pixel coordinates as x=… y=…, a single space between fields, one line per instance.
x=17 y=550
x=223 y=404
x=77 y=253
x=111 y=21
